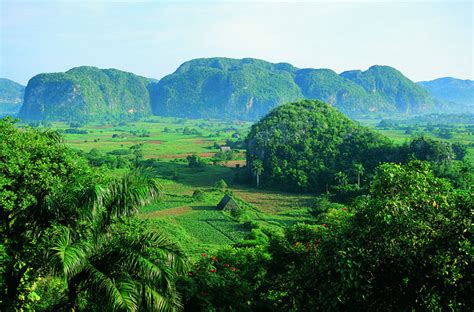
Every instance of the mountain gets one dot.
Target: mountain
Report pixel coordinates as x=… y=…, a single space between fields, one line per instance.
x=459 y=94
x=392 y=90
x=302 y=147
x=11 y=97
x=221 y=88
x=85 y=92
x=326 y=85
x=249 y=88
x=225 y=88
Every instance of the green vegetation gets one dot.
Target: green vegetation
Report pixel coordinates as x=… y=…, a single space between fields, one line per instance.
x=308 y=146
x=221 y=88
x=249 y=88
x=225 y=88
x=391 y=87
x=58 y=218
x=304 y=145
x=85 y=92
x=406 y=246
x=152 y=214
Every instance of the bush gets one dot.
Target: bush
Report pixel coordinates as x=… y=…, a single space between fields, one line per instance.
x=194 y=161
x=221 y=185
x=199 y=195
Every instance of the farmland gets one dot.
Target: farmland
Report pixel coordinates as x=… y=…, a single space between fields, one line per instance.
x=166 y=142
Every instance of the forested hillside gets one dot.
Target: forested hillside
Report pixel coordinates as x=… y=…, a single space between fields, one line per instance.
x=221 y=88
x=455 y=94
x=249 y=88
x=11 y=97
x=85 y=92
x=303 y=145
x=225 y=88
x=391 y=89
x=309 y=146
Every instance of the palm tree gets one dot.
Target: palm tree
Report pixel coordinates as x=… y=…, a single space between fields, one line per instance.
x=118 y=260
x=359 y=170
x=257 y=169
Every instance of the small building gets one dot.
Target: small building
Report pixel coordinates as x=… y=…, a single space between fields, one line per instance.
x=225 y=148
x=236 y=136
x=227 y=204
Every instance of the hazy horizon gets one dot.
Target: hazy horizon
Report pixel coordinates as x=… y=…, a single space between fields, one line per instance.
x=424 y=40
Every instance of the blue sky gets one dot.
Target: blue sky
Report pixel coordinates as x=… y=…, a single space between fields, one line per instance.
x=423 y=39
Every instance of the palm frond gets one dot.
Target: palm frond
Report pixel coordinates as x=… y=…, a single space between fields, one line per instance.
x=158 y=302
x=125 y=196
x=119 y=295
x=69 y=258
x=52 y=135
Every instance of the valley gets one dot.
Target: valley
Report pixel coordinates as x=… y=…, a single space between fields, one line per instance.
x=167 y=141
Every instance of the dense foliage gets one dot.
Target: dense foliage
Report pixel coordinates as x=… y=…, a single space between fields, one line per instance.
x=304 y=145
x=58 y=217
x=11 y=96
x=308 y=146
x=406 y=246
x=84 y=92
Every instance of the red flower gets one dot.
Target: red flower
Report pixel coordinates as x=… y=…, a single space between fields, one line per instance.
x=226 y=265
x=344 y=209
x=190 y=273
x=232 y=269
x=324 y=224
x=203 y=254
x=213 y=270
x=214 y=258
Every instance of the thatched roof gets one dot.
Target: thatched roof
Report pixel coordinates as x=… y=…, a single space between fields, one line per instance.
x=227 y=204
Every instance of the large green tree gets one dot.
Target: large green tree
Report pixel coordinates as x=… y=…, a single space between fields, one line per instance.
x=41 y=182
x=303 y=145
x=406 y=246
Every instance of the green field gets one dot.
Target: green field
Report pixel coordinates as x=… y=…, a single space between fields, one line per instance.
x=197 y=223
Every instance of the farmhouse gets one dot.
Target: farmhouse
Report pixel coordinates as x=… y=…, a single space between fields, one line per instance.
x=227 y=204
x=225 y=148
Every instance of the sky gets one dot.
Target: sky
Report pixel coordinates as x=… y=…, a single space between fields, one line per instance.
x=423 y=39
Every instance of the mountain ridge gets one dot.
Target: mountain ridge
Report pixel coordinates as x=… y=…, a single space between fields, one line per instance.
x=11 y=96
x=451 y=92
x=85 y=91
x=223 y=88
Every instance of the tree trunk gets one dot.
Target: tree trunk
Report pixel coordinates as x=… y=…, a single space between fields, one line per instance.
x=72 y=297
x=258 y=180
x=12 y=282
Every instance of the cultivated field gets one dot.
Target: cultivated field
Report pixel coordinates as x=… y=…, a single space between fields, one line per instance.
x=196 y=221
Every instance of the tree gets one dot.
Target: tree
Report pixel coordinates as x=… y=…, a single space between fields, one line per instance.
x=144 y=261
x=359 y=170
x=194 y=161
x=406 y=246
x=257 y=169
x=432 y=150
x=137 y=153
x=40 y=182
x=341 y=178
x=140 y=277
